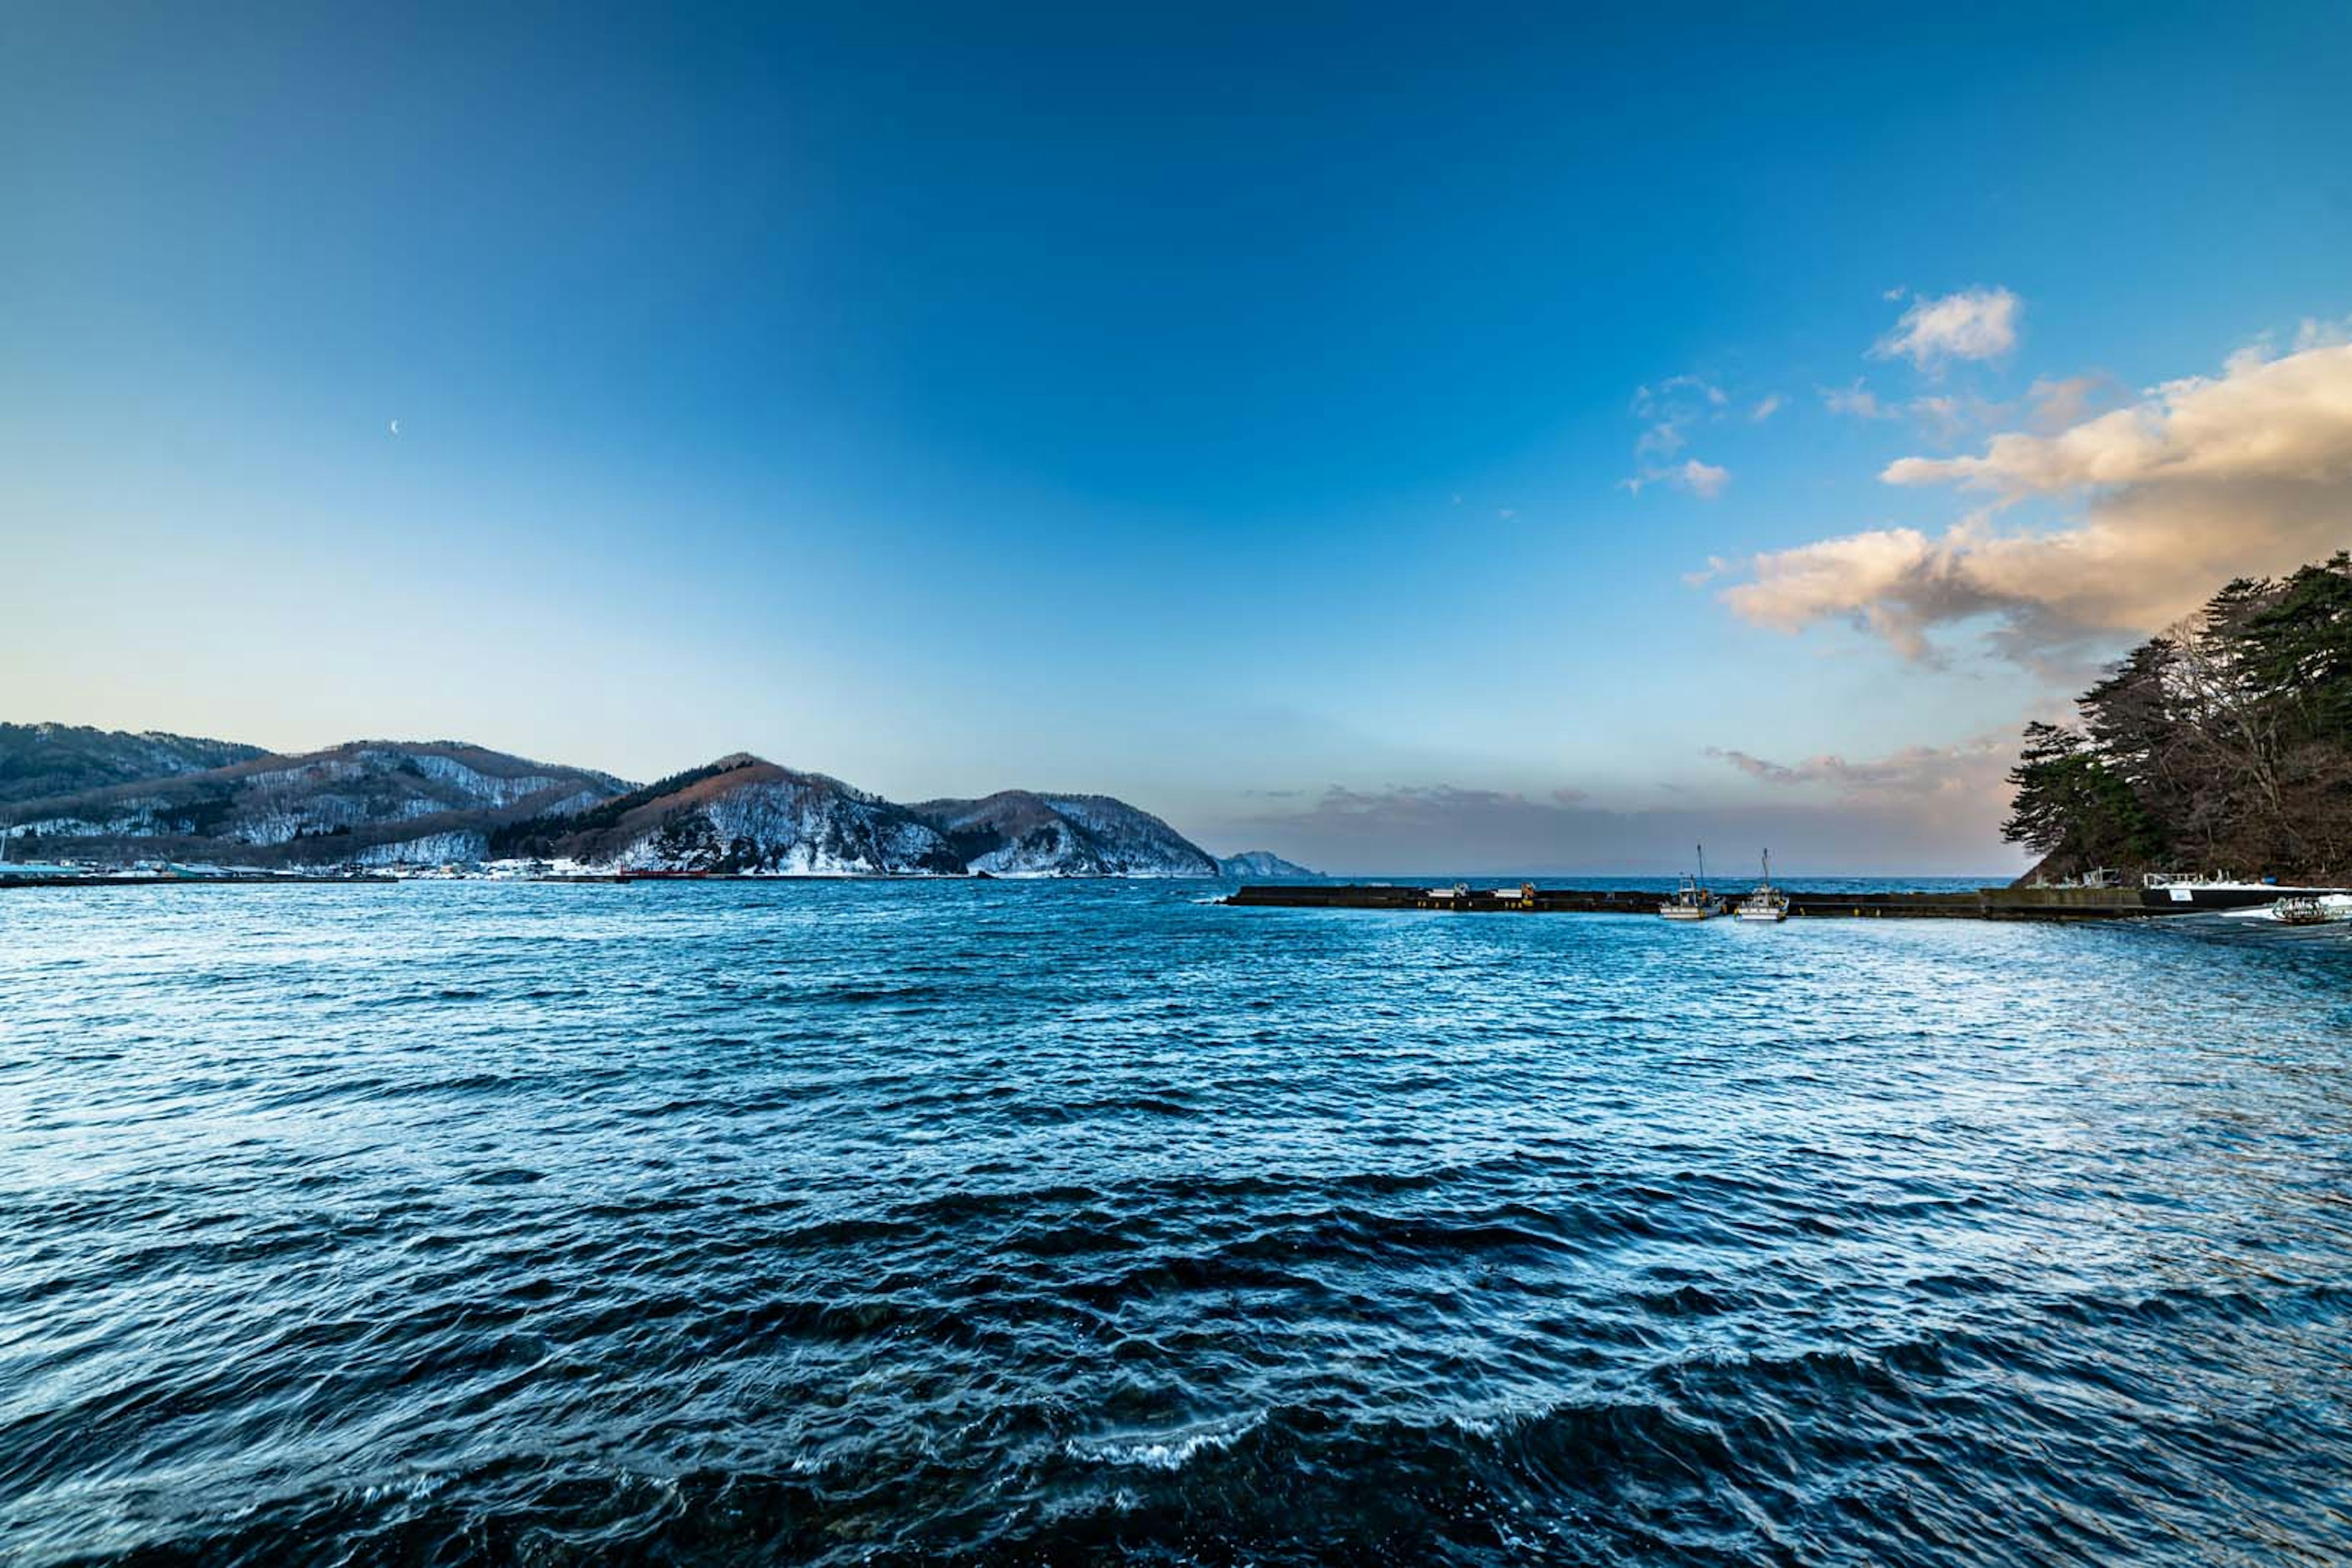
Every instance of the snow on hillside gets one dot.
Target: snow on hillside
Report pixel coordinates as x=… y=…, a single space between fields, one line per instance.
x=355 y=805
x=793 y=825
x=362 y=794
x=1264 y=865
x=1128 y=842
x=433 y=849
x=1018 y=834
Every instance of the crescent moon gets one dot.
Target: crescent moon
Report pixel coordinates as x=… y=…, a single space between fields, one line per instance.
x=395 y=427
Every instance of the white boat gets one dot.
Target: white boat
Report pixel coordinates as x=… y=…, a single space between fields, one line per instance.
x=1691 y=899
x=2239 y=897
x=1766 y=902
x=2301 y=909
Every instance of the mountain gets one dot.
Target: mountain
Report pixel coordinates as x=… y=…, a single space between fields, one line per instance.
x=1015 y=833
x=40 y=761
x=743 y=814
x=364 y=803
x=1262 y=865
x=384 y=803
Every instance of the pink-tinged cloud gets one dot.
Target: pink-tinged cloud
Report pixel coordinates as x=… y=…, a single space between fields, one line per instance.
x=2202 y=479
x=1863 y=827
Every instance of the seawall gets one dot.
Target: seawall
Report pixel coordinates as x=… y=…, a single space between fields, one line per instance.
x=1979 y=904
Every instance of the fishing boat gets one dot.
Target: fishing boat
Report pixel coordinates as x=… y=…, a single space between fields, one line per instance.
x=2298 y=908
x=2312 y=912
x=1691 y=900
x=1766 y=902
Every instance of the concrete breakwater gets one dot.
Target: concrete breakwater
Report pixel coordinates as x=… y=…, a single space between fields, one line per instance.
x=1981 y=903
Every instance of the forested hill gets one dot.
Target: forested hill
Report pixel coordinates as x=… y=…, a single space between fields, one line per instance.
x=2224 y=745
x=37 y=760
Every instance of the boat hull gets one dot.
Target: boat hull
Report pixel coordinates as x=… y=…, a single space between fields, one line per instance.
x=2186 y=898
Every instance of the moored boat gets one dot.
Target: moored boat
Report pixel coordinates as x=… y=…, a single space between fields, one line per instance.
x=2308 y=910
x=1691 y=899
x=1766 y=902
x=2298 y=908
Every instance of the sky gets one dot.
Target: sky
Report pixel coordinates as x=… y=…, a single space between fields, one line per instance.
x=1479 y=439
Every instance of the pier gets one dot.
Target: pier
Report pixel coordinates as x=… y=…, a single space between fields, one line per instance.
x=1978 y=904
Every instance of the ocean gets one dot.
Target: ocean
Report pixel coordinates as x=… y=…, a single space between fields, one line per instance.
x=1093 y=1222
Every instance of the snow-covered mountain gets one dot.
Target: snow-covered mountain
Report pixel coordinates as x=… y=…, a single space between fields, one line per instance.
x=1016 y=832
x=745 y=816
x=367 y=802
x=383 y=802
x=1264 y=865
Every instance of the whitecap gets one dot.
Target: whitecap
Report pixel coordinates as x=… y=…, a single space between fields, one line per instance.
x=1166 y=1450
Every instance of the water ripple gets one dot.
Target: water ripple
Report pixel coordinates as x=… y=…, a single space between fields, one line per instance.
x=857 y=1223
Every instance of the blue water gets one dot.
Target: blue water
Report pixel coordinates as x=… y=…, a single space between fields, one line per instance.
x=900 y=1222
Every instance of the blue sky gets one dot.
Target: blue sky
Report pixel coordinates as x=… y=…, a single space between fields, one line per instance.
x=1234 y=413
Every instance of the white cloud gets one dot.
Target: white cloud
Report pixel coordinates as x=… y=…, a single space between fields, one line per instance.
x=2314 y=333
x=2058 y=403
x=2286 y=418
x=1673 y=407
x=2248 y=472
x=1857 y=400
x=1660 y=441
x=1973 y=324
x=1766 y=408
x=1946 y=419
x=1703 y=480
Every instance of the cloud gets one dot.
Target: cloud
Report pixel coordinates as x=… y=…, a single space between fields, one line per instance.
x=1444 y=830
x=1705 y=480
x=1715 y=567
x=1661 y=441
x=1675 y=397
x=1857 y=400
x=1973 y=324
x=2314 y=333
x=1944 y=418
x=1948 y=419
x=1977 y=767
x=1963 y=789
x=2200 y=479
x=2286 y=418
x=2060 y=403
x=1766 y=409
x=1673 y=407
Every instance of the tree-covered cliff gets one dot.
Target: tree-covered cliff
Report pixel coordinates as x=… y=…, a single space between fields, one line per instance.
x=2224 y=745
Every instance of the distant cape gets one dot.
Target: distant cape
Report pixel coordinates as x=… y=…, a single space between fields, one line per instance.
x=1264 y=865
